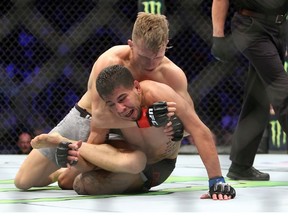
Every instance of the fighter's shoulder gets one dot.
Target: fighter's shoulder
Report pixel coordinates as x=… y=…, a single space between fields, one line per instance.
x=170 y=67
x=114 y=55
x=151 y=84
x=173 y=75
x=156 y=91
x=115 y=51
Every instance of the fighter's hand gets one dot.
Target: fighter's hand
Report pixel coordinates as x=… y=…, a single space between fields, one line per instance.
x=157 y=115
x=67 y=153
x=174 y=129
x=223 y=49
x=219 y=190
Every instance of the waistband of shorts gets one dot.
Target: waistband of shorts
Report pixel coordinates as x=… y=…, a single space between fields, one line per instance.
x=277 y=19
x=83 y=112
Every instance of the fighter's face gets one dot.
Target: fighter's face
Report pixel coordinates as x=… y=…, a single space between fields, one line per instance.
x=125 y=103
x=145 y=58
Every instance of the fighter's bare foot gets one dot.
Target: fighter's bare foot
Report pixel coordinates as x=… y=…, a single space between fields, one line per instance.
x=47 y=140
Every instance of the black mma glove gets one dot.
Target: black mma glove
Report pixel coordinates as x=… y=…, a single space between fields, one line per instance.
x=155 y=115
x=177 y=128
x=61 y=154
x=223 y=49
x=218 y=186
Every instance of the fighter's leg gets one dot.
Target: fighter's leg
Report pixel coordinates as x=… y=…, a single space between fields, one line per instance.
x=72 y=126
x=39 y=167
x=36 y=171
x=66 y=178
x=102 y=182
x=50 y=140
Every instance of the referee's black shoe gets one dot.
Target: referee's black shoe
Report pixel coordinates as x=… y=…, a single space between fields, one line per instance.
x=237 y=172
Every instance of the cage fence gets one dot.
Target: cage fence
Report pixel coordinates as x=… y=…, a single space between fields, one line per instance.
x=48 y=47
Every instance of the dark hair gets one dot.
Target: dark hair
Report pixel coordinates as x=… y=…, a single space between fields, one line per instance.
x=113 y=77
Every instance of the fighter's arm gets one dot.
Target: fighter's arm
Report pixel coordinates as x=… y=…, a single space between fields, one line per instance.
x=117 y=156
x=201 y=134
x=177 y=80
x=202 y=137
x=101 y=117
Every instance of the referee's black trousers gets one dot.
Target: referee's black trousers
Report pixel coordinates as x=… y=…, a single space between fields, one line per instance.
x=263 y=44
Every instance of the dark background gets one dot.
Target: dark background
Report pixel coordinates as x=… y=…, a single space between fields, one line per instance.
x=48 y=47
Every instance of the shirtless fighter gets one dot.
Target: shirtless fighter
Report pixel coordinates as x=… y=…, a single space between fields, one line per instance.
x=145 y=57
x=147 y=156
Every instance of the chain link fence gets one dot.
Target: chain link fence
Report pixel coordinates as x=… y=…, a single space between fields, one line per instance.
x=48 y=47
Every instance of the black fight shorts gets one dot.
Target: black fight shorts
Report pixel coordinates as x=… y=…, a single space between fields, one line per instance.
x=157 y=173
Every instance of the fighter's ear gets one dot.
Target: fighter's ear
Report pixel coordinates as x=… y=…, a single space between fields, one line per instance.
x=130 y=43
x=137 y=85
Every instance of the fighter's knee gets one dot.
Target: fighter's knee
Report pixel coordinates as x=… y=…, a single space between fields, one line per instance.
x=21 y=184
x=65 y=183
x=138 y=163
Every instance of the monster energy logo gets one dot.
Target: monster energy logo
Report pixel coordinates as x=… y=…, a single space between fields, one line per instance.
x=154 y=7
x=278 y=137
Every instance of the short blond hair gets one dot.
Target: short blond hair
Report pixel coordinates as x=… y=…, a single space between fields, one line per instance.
x=152 y=29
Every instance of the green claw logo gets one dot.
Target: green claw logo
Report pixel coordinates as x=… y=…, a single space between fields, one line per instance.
x=278 y=137
x=154 y=7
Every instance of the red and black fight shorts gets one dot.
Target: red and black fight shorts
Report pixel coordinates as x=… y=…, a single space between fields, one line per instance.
x=157 y=173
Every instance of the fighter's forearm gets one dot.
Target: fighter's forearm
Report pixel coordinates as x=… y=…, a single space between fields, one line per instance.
x=208 y=152
x=97 y=135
